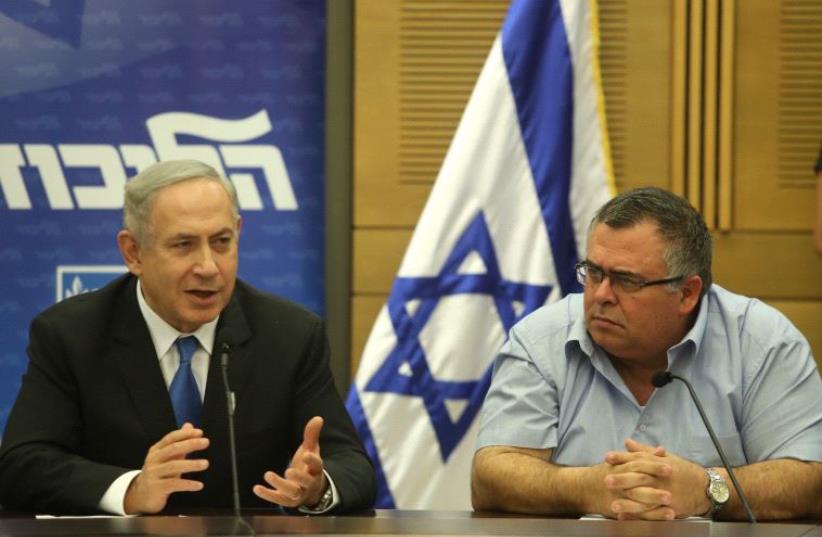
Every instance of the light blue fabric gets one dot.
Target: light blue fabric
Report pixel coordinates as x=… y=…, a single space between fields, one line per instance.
x=751 y=368
x=185 y=397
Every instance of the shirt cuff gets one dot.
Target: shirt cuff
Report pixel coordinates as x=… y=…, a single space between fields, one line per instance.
x=113 y=501
x=335 y=499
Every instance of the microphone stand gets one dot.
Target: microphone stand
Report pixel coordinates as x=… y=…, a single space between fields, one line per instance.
x=229 y=400
x=665 y=377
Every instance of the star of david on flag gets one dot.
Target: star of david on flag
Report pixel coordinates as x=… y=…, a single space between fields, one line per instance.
x=498 y=238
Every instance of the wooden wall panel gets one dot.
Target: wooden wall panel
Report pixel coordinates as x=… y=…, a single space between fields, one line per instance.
x=635 y=59
x=778 y=113
x=417 y=60
x=377 y=256
x=364 y=310
x=770 y=266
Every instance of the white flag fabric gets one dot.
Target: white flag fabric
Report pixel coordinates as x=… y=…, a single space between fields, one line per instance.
x=504 y=225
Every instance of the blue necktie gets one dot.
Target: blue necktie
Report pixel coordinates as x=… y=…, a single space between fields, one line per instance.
x=185 y=397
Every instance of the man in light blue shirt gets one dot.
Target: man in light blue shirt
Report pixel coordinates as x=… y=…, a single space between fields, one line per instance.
x=571 y=420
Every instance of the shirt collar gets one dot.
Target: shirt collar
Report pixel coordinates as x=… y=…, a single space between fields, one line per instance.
x=163 y=335
x=578 y=332
x=694 y=337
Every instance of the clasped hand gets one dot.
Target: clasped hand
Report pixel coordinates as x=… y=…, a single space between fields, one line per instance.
x=647 y=483
x=303 y=484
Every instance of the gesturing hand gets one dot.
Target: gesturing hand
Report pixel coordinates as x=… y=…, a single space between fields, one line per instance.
x=162 y=470
x=304 y=481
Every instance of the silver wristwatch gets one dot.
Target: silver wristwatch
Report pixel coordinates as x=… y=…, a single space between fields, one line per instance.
x=325 y=500
x=718 y=492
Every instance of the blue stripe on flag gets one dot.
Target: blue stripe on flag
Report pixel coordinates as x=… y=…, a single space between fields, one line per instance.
x=354 y=406
x=542 y=81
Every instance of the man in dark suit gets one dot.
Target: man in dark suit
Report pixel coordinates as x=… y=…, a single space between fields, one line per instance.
x=123 y=409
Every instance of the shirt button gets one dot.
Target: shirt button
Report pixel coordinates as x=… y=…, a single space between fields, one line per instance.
x=642 y=428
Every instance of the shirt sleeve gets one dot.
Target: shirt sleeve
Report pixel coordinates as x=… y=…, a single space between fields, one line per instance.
x=521 y=408
x=113 y=500
x=335 y=499
x=782 y=416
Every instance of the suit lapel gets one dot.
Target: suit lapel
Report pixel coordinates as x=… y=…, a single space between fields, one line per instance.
x=140 y=367
x=233 y=331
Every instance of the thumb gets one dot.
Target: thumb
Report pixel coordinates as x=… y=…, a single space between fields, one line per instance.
x=638 y=447
x=311 y=435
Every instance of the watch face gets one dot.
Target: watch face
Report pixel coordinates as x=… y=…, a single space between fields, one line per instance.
x=720 y=492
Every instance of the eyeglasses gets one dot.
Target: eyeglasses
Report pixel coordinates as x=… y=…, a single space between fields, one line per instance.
x=588 y=273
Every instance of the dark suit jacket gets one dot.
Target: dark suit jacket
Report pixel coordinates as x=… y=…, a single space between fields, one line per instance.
x=93 y=401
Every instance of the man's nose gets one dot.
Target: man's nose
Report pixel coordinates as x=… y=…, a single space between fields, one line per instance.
x=604 y=292
x=206 y=264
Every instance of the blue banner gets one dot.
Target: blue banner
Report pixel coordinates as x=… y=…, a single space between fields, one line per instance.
x=95 y=90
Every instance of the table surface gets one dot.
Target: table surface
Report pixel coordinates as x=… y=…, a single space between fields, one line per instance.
x=395 y=522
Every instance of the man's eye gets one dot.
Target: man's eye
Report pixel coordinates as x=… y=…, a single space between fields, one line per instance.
x=627 y=281
x=595 y=274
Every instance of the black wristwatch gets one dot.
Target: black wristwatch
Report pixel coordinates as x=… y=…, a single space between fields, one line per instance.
x=717 y=491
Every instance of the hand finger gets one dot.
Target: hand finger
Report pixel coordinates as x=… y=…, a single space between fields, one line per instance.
x=627 y=506
x=637 y=447
x=177 y=435
x=177 y=468
x=303 y=479
x=648 y=495
x=655 y=468
x=634 y=446
x=657 y=513
x=288 y=488
x=627 y=480
x=638 y=462
x=277 y=497
x=181 y=485
x=311 y=435
x=177 y=450
x=308 y=462
x=621 y=457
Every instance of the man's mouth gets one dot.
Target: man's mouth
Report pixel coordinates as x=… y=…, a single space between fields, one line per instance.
x=202 y=293
x=605 y=320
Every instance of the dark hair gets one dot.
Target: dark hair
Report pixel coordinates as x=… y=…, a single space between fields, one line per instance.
x=686 y=237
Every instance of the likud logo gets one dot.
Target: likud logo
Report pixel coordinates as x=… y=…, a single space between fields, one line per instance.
x=164 y=130
x=73 y=280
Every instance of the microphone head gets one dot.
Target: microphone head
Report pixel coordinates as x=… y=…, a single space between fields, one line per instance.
x=226 y=349
x=661 y=378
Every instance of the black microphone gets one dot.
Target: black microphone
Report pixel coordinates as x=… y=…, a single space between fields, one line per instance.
x=229 y=401
x=663 y=378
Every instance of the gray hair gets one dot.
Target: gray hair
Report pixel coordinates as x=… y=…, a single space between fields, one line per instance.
x=686 y=237
x=140 y=190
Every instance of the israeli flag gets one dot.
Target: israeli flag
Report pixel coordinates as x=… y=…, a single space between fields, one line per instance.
x=499 y=236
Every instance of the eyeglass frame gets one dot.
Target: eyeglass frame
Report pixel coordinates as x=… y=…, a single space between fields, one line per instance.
x=583 y=268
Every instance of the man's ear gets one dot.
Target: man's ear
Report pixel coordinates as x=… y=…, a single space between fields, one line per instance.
x=691 y=289
x=130 y=250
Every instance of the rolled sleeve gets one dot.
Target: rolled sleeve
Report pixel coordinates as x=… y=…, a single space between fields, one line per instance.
x=783 y=402
x=521 y=408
